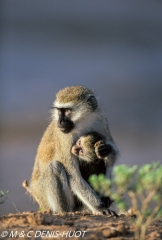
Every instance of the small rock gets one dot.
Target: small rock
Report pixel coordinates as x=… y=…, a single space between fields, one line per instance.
x=109 y=233
x=122 y=228
x=69 y=223
x=131 y=212
x=35 y=219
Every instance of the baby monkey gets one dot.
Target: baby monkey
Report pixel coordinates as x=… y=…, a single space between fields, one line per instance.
x=91 y=147
x=93 y=152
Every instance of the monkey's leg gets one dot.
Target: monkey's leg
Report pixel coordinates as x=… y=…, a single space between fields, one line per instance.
x=59 y=196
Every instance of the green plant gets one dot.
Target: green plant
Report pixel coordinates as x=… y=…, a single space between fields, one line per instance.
x=140 y=188
x=3 y=196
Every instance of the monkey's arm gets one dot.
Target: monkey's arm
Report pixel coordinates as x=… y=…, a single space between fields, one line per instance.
x=88 y=197
x=83 y=191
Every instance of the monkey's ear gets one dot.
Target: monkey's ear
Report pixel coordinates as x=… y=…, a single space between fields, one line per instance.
x=92 y=102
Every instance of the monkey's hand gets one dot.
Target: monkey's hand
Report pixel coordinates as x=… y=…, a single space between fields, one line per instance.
x=102 y=150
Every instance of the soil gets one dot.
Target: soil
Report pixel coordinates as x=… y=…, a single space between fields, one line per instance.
x=38 y=225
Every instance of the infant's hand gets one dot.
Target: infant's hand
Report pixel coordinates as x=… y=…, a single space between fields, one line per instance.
x=102 y=150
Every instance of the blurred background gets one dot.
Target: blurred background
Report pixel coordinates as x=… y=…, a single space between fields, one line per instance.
x=113 y=47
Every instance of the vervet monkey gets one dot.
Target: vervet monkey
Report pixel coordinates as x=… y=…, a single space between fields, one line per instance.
x=56 y=176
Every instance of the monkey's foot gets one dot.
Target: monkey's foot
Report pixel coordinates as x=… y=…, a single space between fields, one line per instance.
x=110 y=212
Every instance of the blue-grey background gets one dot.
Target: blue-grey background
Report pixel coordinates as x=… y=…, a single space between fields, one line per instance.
x=113 y=47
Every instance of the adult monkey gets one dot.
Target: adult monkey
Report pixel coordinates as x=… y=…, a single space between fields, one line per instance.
x=56 y=176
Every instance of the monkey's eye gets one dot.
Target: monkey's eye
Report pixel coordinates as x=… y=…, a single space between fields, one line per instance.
x=79 y=142
x=67 y=111
x=59 y=111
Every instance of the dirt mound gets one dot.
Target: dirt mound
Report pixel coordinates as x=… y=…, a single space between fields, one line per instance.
x=38 y=225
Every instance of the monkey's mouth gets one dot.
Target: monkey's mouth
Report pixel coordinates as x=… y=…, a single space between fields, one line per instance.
x=76 y=151
x=65 y=130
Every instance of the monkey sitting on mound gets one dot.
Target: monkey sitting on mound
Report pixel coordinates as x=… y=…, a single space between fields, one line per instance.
x=93 y=155
x=58 y=177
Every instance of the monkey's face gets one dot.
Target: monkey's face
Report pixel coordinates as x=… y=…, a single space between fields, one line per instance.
x=68 y=118
x=74 y=108
x=84 y=149
x=64 y=119
x=91 y=147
